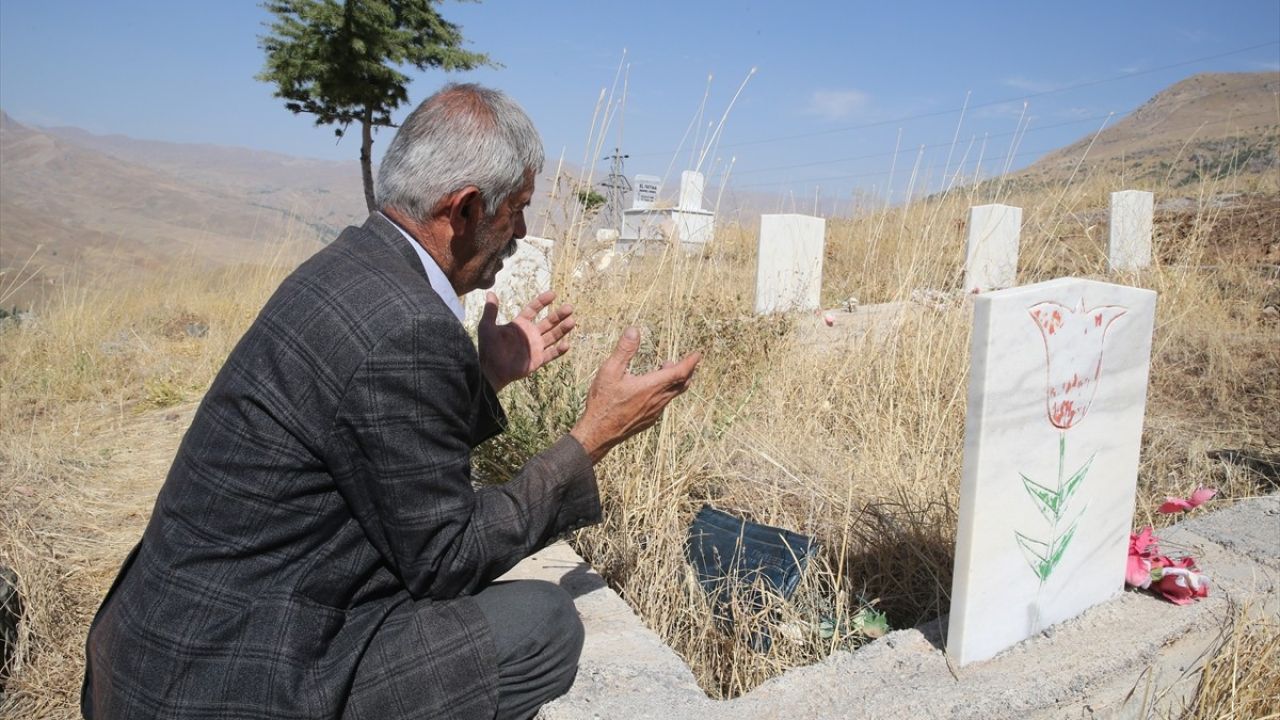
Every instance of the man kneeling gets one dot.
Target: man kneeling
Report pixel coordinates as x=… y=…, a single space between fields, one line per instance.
x=318 y=549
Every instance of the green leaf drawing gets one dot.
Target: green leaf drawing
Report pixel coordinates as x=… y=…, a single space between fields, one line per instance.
x=1035 y=552
x=1053 y=503
x=1046 y=500
x=1073 y=482
x=1061 y=546
x=1043 y=557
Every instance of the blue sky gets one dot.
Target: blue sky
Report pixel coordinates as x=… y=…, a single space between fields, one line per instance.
x=836 y=83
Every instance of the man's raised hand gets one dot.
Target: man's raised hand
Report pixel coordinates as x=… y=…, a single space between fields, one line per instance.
x=513 y=351
x=620 y=404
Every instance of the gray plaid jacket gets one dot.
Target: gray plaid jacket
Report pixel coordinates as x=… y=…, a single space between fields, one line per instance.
x=313 y=548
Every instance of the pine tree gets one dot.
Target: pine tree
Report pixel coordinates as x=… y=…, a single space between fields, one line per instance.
x=339 y=61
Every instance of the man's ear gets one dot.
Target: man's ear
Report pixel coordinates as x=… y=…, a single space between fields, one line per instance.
x=465 y=208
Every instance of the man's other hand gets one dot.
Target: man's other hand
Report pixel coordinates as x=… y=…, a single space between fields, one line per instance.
x=513 y=351
x=620 y=404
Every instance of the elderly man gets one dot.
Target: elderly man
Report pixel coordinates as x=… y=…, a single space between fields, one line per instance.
x=318 y=549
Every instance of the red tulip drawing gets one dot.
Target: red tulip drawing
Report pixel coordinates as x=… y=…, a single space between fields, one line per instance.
x=1073 y=361
x=1073 y=346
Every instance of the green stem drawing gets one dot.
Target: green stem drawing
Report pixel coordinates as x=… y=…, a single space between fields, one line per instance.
x=1044 y=555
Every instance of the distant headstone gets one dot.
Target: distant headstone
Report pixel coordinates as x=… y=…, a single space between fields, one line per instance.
x=691 y=186
x=523 y=275
x=991 y=256
x=646 y=192
x=789 y=266
x=1057 y=388
x=1132 y=219
x=646 y=227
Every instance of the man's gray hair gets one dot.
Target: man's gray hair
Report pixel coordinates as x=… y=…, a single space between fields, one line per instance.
x=463 y=135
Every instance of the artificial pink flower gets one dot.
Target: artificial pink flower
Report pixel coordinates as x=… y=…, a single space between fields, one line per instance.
x=1198 y=498
x=1142 y=551
x=1073 y=346
x=1138 y=572
x=1180 y=585
x=1142 y=542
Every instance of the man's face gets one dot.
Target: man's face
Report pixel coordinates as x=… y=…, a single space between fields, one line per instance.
x=495 y=239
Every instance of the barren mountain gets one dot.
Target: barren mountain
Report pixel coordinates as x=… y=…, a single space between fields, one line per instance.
x=1209 y=125
x=102 y=204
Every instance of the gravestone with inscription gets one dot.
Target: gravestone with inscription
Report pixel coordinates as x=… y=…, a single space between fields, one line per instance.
x=646 y=192
x=789 y=265
x=1057 y=388
x=523 y=275
x=647 y=225
x=1132 y=220
x=991 y=255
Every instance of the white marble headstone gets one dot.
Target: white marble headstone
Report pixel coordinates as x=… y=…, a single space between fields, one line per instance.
x=523 y=275
x=691 y=184
x=1057 y=388
x=789 y=265
x=1132 y=218
x=646 y=192
x=991 y=255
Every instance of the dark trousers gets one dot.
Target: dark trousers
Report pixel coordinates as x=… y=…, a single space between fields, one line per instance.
x=538 y=634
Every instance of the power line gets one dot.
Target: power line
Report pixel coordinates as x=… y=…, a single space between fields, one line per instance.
x=917 y=148
x=939 y=113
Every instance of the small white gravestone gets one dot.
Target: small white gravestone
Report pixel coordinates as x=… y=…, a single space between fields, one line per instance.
x=646 y=192
x=523 y=275
x=991 y=256
x=691 y=184
x=1057 y=388
x=789 y=265
x=1132 y=219
x=646 y=227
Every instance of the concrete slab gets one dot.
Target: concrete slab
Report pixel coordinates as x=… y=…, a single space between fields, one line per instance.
x=1116 y=660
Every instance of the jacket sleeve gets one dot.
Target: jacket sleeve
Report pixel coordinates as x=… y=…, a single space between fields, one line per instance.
x=490 y=419
x=400 y=452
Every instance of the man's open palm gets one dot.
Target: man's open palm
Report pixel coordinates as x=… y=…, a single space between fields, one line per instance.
x=513 y=351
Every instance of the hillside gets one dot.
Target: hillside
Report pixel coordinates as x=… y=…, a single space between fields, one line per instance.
x=69 y=199
x=1209 y=125
x=105 y=203
x=323 y=193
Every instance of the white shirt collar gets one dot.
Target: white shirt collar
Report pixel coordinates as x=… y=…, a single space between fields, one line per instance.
x=435 y=275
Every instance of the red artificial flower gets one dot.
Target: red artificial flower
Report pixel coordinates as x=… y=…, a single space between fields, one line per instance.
x=1176 y=579
x=1073 y=344
x=1199 y=497
x=1180 y=585
x=1142 y=551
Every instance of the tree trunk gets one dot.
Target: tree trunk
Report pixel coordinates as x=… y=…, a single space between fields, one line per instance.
x=366 y=158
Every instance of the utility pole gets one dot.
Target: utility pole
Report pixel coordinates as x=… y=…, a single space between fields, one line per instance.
x=616 y=187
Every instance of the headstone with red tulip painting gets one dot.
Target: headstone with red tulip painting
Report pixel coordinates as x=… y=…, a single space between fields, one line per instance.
x=1057 y=390
x=991 y=253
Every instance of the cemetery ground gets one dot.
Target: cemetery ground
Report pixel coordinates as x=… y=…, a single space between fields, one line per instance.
x=854 y=438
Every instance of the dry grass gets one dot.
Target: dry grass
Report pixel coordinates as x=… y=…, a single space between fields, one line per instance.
x=1243 y=679
x=95 y=392
x=856 y=443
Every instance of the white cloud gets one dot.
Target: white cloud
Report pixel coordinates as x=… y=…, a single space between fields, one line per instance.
x=1027 y=85
x=836 y=104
